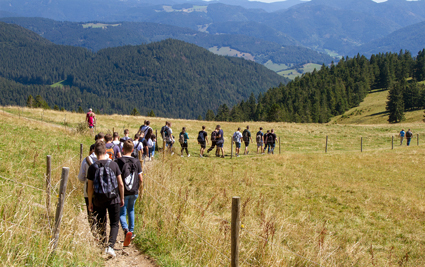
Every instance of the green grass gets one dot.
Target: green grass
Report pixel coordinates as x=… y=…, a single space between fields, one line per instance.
x=331 y=208
x=332 y=53
x=276 y=67
x=227 y=51
x=292 y=73
x=61 y=84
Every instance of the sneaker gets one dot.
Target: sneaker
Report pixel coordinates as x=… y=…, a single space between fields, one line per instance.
x=188 y=155
x=247 y=152
x=133 y=236
x=110 y=251
x=201 y=156
x=127 y=239
x=222 y=157
x=172 y=153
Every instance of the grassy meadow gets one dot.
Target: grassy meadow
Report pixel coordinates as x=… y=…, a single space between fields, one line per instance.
x=342 y=208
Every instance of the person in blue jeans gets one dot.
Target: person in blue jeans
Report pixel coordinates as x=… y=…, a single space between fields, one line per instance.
x=132 y=177
x=401 y=134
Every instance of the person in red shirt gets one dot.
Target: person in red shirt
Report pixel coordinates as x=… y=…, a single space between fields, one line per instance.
x=91 y=120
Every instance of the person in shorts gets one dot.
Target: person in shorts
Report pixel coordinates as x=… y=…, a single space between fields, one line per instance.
x=220 y=141
x=213 y=141
x=266 y=142
x=169 y=138
x=246 y=139
x=202 y=140
x=272 y=141
x=183 y=136
x=260 y=140
x=237 y=136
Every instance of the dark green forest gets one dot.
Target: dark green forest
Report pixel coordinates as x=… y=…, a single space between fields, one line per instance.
x=172 y=78
x=330 y=91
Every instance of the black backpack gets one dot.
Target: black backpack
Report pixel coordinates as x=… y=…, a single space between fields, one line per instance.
x=245 y=135
x=259 y=137
x=129 y=175
x=135 y=153
x=105 y=182
x=201 y=137
x=213 y=136
x=409 y=134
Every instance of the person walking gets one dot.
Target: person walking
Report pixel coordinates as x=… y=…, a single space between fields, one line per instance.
x=260 y=140
x=246 y=139
x=409 y=136
x=202 y=140
x=112 y=150
x=272 y=140
x=213 y=141
x=237 y=136
x=266 y=142
x=152 y=149
x=132 y=176
x=220 y=141
x=91 y=120
x=401 y=135
x=183 y=137
x=105 y=191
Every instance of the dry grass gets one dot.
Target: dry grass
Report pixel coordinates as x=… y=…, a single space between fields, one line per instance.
x=344 y=208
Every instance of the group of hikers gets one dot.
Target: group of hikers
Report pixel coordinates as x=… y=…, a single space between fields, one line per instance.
x=408 y=136
x=265 y=141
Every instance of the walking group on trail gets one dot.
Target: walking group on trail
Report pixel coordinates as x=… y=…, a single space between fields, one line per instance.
x=408 y=136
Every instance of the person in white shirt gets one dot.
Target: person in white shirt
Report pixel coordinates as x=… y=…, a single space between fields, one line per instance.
x=237 y=139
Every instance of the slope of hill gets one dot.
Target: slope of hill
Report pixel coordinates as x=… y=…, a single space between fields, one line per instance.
x=171 y=77
x=411 y=38
x=96 y=36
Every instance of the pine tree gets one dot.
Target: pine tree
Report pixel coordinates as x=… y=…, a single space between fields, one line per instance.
x=30 y=101
x=80 y=109
x=151 y=114
x=395 y=104
x=135 y=112
x=222 y=113
x=56 y=107
x=210 y=115
x=200 y=118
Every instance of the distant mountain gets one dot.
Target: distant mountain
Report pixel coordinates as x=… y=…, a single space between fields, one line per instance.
x=96 y=36
x=171 y=77
x=411 y=38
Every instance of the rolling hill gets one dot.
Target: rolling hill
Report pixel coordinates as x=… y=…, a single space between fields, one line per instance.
x=171 y=77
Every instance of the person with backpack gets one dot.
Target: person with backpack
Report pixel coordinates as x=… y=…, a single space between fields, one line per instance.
x=237 y=136
x=271 y=140
x=409 y=136
x=132 y=176
x=213 y=141
x=116 y=140
x=147 y=143
x=169 y=138
x=401 y=135
x=202 y=140
x=125 y=138
x=142 y=128
x=138 y=146
x=183 y=137
x=246 y=138
x=105 y=191
x=260 y=140
x=266 y=142
x=163 y=130
x=220 y=141
x=152 y=148
x=82 y=177
x=112 y=150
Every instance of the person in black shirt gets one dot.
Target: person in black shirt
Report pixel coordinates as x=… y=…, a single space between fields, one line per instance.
x=98 y=205
x=266 y=141
x=202 y=140
x=260 y=140
x=272 y=140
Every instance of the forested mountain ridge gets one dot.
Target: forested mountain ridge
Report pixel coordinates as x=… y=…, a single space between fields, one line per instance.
x=279 y=48
x=171 y=77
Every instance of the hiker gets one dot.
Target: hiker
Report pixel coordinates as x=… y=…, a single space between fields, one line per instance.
x=401 y=135
x=246 y=138
x=237 y=139
x=116 y=140
x=271 y=139
x=169 y=138
x=152 y=149
x=183 y=137
x=105 y=191
x=163 y=130
x=138 y=146
x=409 y=135
x=213 y=141
x=82 y=177
x=147 y=143
x=202 y=140
x=125 y=138
x=220 y=141
x=142 y=128
x=112 y=150
x=147 y=127
x=260 y=140
x=132 y=177
x=266 y=143
x=91 y=120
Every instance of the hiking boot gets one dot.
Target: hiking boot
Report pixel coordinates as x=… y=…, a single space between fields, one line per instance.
x=188 y=155
x=127 y=239
x=110 y=252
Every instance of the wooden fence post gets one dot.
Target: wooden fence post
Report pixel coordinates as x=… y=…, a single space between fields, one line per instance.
x=236 y=224
x=417 y=137
x=361 y=144
x=392 y=142
x=326 y=147
x=279 y=145
x=59 y=209
x=81 y=154
x=48 y=181
x=231 y=149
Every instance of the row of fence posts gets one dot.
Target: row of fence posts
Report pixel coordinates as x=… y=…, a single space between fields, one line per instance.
x=361 y=143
